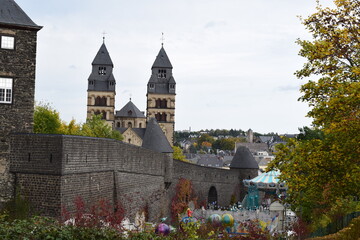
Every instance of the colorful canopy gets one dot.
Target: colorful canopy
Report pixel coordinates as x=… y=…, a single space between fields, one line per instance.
x=266 y=180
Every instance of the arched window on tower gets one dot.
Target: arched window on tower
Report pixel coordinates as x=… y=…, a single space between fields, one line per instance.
x=118 y=124
x=97 y=101
x=103 y=115
x=163 y=103
x=158 y=117
x=100 y=101
x=158 y=103
x=163 y=117
x=129 y=124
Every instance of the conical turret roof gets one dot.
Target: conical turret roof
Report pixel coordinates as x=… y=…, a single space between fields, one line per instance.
x=162 y=60
x=243 y=159
x=12 y=14
x=155 y=138
x=102 y=57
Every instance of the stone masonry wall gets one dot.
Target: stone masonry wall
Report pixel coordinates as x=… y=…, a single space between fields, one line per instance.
x=52 y=170
x=18 y=64
x=225 y=181
x=92 y=168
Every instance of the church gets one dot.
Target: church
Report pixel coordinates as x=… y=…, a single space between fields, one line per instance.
x=129 y=120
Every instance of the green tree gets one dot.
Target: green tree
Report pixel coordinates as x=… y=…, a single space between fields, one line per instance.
x=205 y=138
x=322 y=170
x=46 y=119
x=96 y=127
x=178 y=154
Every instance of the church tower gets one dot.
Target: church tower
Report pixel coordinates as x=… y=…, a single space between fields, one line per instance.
x=101 y=87
x=161 y=95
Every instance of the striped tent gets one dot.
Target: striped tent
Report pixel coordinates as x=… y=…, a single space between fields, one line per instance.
x=267 y=180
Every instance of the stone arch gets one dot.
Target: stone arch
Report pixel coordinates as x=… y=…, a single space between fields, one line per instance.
x=212 y=195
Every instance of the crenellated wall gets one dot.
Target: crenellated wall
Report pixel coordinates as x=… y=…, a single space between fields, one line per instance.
x=52 y=170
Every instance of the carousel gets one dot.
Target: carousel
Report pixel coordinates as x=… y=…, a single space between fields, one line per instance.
x=263 y=189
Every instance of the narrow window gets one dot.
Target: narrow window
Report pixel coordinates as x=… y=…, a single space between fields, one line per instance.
x=140 y=125
x=151 y=86
x=6 y=85
x=118 y=124
x=129 y=124
x=7 y=42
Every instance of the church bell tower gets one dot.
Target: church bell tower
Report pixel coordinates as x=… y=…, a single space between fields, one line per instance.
x=101 y=87
x=161 y=95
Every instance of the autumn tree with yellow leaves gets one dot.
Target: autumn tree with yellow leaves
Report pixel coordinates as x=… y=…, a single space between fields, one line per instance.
x=323 y=173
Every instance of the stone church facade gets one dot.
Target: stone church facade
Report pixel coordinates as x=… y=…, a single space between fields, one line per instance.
x=129 y=120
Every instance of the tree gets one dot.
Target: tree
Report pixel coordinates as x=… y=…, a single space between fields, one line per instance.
x=46 y=119
x=205 y=138
x=321 y=170
x=178 y=154
x=96 y=127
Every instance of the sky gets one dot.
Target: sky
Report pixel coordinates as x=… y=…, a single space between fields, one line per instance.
x=233 y=60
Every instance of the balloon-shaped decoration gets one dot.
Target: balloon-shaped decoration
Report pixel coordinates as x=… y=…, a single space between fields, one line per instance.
x=227 y=220
x=162 y=229
x=215 y=219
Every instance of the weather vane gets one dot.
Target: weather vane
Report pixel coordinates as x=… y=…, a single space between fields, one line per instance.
x=103 y=36
x=162 y=39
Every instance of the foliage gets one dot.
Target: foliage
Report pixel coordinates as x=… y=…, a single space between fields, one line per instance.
x=178 y=154
x=205 y=138
x=46 y=119
x=226 y=143
x=322 y=167
x=46 y=228
x=96 y=127
x=99 y=214
x=184 y=194
x=350 y=232
x=307 y=133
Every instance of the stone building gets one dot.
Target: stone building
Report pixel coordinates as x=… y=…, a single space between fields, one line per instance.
x=130 y=121
x=101 y=87
x=18 y=35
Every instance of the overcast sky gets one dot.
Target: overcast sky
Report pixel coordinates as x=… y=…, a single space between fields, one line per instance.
x=233 y=59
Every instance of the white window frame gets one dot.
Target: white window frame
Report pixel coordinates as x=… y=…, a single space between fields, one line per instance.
x=8 y=42
x=6 y=90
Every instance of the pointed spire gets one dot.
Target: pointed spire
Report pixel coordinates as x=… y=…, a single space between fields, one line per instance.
x=162 y=60
x=102 y=57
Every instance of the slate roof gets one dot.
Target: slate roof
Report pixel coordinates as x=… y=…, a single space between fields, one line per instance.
x=12 y=14
x=243 y=159
x=210 y=161
x=162 y=60
x=155 y=139
x=130 y=110
x=102 y=57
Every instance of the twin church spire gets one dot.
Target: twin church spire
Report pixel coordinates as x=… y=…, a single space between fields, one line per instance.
x=160 y=93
